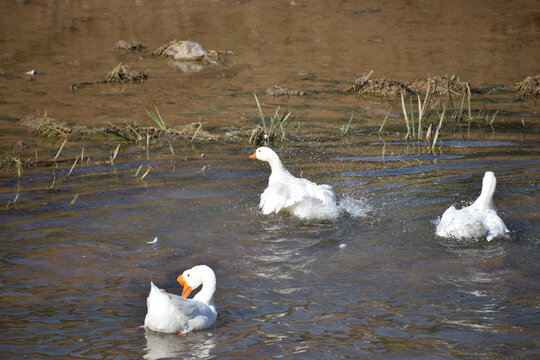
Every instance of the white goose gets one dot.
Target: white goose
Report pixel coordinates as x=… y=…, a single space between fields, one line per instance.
x=169 y=313
x=300 y=197
x=477 y=220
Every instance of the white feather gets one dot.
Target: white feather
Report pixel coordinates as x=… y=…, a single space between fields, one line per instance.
x=298 y=196
x=169 y=313
x=478 y=220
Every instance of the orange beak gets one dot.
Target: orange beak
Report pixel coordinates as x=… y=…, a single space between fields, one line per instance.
x=253 y=156
x=187 y=289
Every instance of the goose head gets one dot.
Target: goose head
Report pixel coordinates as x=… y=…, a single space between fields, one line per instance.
x=198 y=275
x=264 y=154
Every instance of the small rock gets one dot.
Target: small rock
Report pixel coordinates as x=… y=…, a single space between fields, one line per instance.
x=128 y=45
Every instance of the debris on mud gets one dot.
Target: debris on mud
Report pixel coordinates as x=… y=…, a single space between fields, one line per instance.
x=16 y=162
x=45 y=126
x=48 y=127
x=440 y=85
x=528 y=87
x=128 y=45
x=119 y=75
x=132 y=132
x=363 y=85
x=188 y=51
x=279 y=91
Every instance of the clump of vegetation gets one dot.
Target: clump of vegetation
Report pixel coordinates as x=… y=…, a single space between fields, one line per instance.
x=53 y=128
x=121 y=75
x=272 y=131
x=431 y=135
x=15 y=162
x=441 y=85
x=363 y=85
x=118 y=75
x=132 y=132
x=46 y=126
x=528 y=87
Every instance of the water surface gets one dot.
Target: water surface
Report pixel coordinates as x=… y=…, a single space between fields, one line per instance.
x=376 y=282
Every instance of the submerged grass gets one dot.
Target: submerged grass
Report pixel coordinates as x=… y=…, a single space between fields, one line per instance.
x=345 y=128
x=72 y=167
x=72 y=203
x=114 y=155
x=59 y=150
x=146 y=173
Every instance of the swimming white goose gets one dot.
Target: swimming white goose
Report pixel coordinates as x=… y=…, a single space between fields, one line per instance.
x=477 y=220
x=169 y=313
x=300 y=197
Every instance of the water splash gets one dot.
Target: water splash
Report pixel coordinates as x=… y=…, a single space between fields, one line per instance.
x=354 y=207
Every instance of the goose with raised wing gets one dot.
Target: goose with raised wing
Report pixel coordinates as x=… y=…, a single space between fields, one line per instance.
x=477 y=220
x=298 y=196
x=169 y=313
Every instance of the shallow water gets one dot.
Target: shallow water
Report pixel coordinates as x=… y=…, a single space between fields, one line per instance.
x=376 y=282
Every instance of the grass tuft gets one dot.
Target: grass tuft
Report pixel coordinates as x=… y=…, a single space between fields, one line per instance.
x=157 y=119
x=272 y=131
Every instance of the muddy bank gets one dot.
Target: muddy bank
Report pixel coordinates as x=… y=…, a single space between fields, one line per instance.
x=272 y=42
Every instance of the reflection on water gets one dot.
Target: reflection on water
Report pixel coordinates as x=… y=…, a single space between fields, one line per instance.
x=196 y=345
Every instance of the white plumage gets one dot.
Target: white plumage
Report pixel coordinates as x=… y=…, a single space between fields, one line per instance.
x=300 y=197
x=478 y=220
x=169 y=313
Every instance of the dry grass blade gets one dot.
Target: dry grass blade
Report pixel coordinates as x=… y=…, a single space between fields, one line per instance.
x=171 y=148
x=406 y=117
x=436 y=137
x=196 y=132
x=72 y=166
x=59 y=150
x=51 y=187
x=114 y=155
x=146 y=173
